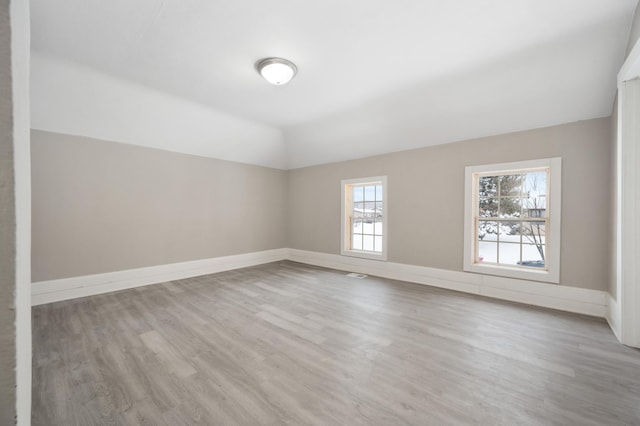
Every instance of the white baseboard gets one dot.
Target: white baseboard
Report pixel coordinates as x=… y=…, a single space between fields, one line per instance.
x=70 y=288
x=571 y=299
x=614 y=316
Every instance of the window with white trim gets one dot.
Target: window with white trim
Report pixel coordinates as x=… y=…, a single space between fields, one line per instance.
x=512 y=219
x=364 y=218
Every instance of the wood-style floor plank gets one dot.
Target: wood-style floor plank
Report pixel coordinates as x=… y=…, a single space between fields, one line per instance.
x=286 y=343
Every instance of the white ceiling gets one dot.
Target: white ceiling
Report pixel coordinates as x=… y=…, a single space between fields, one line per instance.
x=374 y=76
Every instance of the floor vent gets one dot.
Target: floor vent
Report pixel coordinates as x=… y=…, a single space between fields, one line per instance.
x=358 y=276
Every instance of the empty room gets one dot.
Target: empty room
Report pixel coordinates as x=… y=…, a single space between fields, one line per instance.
x=320 y=213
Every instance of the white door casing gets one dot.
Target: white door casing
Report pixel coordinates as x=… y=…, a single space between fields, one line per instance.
x=628 y=202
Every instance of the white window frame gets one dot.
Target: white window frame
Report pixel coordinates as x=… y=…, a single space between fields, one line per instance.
x=552 y=257
x=345 y=230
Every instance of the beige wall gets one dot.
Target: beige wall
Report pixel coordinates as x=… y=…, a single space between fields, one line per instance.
x=102 y=206
x=426 y=198
x=7 y=229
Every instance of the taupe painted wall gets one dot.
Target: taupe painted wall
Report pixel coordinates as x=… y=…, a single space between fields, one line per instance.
x=426 y=198
x=7 y=229
x=101 y=206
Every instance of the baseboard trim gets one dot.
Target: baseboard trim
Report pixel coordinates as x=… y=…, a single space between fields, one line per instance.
x=614 y=317
x=570 y=299
x=88 y=285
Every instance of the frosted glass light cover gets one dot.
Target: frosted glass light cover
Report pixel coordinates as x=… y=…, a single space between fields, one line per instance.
x=277 y=71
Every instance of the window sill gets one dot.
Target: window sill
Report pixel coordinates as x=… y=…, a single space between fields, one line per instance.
x=365 y=255
x=547 y=276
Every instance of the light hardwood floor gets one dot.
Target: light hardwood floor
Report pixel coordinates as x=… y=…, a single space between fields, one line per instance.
x=286 y=343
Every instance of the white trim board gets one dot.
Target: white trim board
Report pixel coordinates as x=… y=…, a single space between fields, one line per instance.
x=20 y=88
x=628 y=207
x=70 y=288
x=570 y=299
x=631 y=67
x=623 y=314
x=614 y=316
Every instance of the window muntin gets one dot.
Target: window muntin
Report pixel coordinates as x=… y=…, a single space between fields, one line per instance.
x=364 y=218
x=512 y=219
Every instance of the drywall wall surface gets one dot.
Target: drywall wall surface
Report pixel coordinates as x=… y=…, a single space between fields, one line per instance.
x=426 y=198
x=7 y=229
x=102 y=206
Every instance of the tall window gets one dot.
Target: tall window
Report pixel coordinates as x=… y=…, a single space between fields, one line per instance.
x=513 y=219
x=364 y=218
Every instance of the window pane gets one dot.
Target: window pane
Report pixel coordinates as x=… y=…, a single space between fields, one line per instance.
x=533 y=255
x=506 y=230
x=534 y=232
x=356 y=227
x=487 y=230
x=534 y=206
x=356 y=242
x=377 y=227
x=358 y=193
x=367 y=243
x=509 y=254
x=369 y=193
x=532 y=209
x=509 y=207
x=510 y=232
x=358 y=210
x=535 y=183
x=367 y=211
x=487 y=252
x=378 y=210
x=488 y=186
x=379 y=193
x=514 y=234
x=377 y=241
x=511 y=185
x=535 y=195
x=367 y=227
x=488 y=207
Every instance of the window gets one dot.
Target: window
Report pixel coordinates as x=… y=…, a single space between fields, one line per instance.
x=364 y=214
x=512 y=219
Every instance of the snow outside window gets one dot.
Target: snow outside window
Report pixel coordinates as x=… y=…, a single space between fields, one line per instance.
x=364 y=229
x=512 y=219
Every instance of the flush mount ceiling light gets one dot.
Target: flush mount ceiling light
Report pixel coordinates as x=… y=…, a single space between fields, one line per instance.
x=277 y=71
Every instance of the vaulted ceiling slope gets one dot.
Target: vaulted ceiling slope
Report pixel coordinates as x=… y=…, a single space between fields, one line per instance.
x=374 y=76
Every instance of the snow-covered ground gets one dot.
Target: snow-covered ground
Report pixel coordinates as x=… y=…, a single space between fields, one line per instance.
x=508 y=249
x=367 y=242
